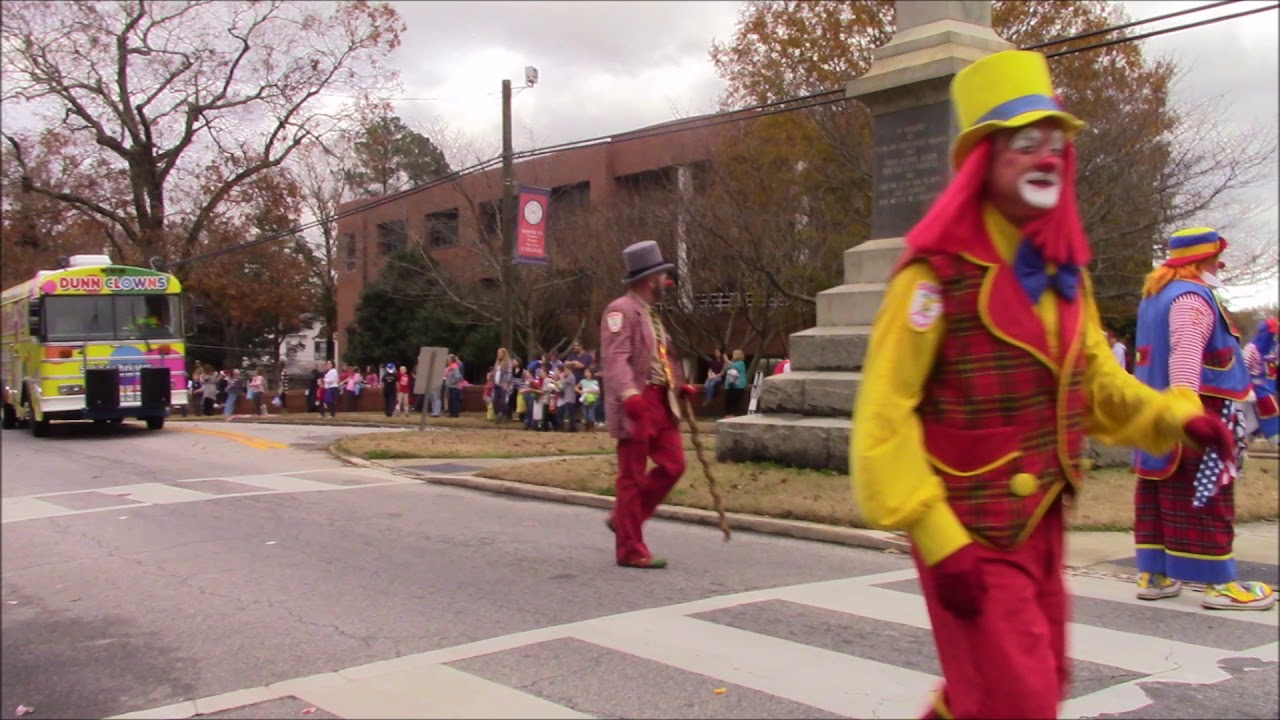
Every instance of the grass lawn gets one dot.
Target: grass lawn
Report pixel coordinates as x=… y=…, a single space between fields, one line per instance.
x=1106 y=503
x=486 y=443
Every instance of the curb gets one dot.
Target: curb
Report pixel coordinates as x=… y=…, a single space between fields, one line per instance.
x=799 y=529
x=320 y=423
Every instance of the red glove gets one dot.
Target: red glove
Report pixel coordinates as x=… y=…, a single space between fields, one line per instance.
x=687 y=391
x=1208 y=432
x=959 y=583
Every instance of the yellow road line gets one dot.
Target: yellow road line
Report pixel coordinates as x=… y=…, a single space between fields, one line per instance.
x=253 y=442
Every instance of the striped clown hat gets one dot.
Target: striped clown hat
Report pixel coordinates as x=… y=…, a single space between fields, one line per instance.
x=1008 y=89
x=1190 y=246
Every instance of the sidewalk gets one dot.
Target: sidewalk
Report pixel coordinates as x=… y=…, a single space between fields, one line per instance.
x=1257 y=545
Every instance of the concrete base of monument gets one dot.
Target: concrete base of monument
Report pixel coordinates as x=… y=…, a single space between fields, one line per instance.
x=790 y=439
x=831 y=347
x=823 y=442
x=813 y=393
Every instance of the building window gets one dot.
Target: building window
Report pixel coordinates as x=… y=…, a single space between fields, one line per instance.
x=573 y=196
x=318 y=349
x=442 y=229
x=392 y=236
x=353 y=254
x=491 y=219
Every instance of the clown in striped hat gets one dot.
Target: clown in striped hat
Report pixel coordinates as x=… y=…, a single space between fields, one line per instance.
x=1184 y=504
x=1194 y=245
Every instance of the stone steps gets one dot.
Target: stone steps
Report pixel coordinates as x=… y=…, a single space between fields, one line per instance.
x=849 y=304
x=834 y=348
x=790 y=438
x=873 y=259
x=823 y=442
x=809 y=392
x=805 y=415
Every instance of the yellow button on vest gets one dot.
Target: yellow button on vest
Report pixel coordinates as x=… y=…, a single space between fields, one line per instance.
x=1023 y=484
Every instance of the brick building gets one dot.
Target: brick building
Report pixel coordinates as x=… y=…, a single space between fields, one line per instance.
x=455 y=217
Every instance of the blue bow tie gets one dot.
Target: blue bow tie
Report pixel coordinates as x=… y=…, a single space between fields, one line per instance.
x=1033 y=274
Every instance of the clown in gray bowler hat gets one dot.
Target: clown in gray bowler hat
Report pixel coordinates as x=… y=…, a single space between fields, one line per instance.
x=641 y=400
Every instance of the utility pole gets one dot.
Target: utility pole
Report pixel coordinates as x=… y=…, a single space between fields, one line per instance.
x=508 y=223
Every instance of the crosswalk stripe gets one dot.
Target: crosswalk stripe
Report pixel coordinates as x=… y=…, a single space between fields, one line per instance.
x=33 y=507
x=436 y=692
x=1130 y=651
x=284 y=483
x=14 y=509
x=802 y=673
x=422 y=685
x=155 y=493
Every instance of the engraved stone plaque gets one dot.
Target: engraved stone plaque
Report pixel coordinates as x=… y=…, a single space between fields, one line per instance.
x=911 y=166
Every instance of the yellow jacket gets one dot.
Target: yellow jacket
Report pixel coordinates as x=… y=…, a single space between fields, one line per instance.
x=894 y=484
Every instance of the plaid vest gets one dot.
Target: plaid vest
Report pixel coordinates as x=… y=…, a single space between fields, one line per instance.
x=1003 y=427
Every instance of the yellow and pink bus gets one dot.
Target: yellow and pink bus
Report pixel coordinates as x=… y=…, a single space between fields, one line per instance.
x=92 y=341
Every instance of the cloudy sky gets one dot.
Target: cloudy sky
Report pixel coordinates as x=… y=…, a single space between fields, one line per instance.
x=606 y=67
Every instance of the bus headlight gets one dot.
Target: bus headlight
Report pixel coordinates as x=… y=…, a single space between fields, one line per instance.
x=70 y=389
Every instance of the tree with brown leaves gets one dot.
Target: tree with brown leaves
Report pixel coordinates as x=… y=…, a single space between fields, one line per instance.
x=1147 y=168
x=157 y=91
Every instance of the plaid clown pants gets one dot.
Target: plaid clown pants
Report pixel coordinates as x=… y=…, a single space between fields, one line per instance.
x=1176 y=539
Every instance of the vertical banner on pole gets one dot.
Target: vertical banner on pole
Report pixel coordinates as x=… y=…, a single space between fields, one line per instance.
x=531 y=225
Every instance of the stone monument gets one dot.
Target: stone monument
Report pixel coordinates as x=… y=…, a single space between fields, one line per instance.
x=806 y=414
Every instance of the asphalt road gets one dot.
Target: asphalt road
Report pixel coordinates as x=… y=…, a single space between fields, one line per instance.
x=145 y=569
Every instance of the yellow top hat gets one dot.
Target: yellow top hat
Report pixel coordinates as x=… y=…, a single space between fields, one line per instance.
x=1005 y=90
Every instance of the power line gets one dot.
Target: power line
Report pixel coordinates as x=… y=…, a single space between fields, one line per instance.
x=664 y=128
x=678 y=126
x=1126 y=26
x=1154 y=33
x=771 y=108
x=296 y=229
x=658 y=133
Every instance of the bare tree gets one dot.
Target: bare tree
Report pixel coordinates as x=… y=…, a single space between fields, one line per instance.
x=163 y=89
x=323 y=184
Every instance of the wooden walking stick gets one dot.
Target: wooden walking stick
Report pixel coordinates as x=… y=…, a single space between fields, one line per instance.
x=687 y=406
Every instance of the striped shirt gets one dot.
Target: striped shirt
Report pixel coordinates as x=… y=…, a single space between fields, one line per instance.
x=1190 y=325
x=1253 y=359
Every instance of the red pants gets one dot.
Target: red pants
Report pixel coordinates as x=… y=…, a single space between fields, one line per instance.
x=639 y=493
x=1011 y=660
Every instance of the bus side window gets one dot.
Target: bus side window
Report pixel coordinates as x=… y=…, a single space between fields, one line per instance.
x=157 y=310
x=33 y=320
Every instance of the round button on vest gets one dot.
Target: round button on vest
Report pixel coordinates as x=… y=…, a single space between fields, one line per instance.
x=1023 y=484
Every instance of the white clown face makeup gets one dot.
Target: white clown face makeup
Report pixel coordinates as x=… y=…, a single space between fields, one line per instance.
x=1040 y=190
x=1025 y=176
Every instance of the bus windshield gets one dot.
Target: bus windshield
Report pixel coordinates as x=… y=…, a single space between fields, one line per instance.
x=111 y=317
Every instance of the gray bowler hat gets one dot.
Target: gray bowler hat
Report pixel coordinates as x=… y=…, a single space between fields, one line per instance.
x=642 y=260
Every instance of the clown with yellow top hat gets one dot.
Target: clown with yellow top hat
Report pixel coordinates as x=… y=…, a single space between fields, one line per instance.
x=987 y=364
x=1184 y=502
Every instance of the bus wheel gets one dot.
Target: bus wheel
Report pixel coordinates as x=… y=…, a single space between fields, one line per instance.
x=155 y=423
x=39 y=428
x=10 y=417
